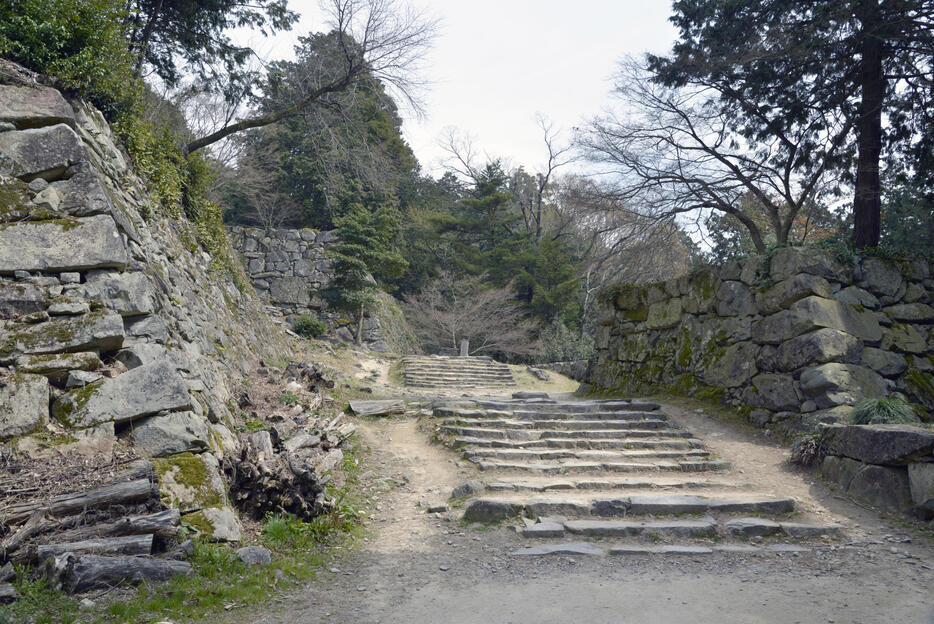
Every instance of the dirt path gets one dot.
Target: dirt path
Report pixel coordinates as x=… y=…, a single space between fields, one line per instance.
x=427 y=568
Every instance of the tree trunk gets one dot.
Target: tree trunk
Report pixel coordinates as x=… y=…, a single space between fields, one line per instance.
x=867 y=200
x=80 y=573
x=143 y=43
x=68 y=504
x=360 y=326
x=127 y=545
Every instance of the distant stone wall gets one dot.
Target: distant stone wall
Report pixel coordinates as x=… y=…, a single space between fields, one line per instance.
x=791 y=339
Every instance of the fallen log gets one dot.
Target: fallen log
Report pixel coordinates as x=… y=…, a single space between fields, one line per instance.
x=67 y=504
x=34 y=526
x=377 y=408
x=163 y=524
x=80 y=573
x=126 y=545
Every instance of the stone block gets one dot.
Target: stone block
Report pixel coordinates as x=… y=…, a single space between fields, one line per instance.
x=854 y=295
x=787 y=291
x=18 y=298
x=139 y=392
x=840 y=470
x=664 y=314
x=888 y=445
x=789 y=261
x=733 y=367
x=910 y=312
x=881 y=276
x=735 y=299
x=128 y=294
x=55 y=246
x=101 y=330
x=817 y=347
x=178 y=432
x=903 y=338
x=40 y=153
x=841 y=384
x=921 y=483
x=883 y=362
x=34 y=106
x=882 y=486
x=772 y=392
x=815 y=312
x=24 y=405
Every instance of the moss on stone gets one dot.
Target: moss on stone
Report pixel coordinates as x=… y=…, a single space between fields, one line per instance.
x=191 y=472
x=75 y=401
x=636 y=316
x=713 y=394
x=200 y=523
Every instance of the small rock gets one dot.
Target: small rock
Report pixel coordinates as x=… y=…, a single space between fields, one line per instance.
x=444 y=568
x=8 y=593
x=254 y=555
x=7 y=573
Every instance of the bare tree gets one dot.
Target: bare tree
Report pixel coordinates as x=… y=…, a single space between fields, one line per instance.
x=450 y=309
x=377 y=38
x=674 y=152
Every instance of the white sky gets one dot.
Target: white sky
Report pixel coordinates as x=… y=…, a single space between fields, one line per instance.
x=497 y=63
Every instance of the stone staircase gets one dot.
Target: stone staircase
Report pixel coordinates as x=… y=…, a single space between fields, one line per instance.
x=617 y=477
x=455 y=372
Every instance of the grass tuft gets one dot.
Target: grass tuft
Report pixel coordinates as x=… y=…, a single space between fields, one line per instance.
x=884 y=412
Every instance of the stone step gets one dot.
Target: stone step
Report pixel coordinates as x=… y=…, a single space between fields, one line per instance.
x=458 y=372
x=478 y=429
x=675 y=550
x=577 y=443
x=471 y=452
x=571 y=407
x=700 y=527
x=631 y=416
x=462 y=368
x=571 y=485
x=763 y=527
x=460 y=384
x=578 y=467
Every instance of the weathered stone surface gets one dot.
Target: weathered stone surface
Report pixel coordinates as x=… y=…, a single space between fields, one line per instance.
x=24 y=405
x=883 y=362
x=889 y=445
x=664 y=314
x=189 y=482
x=734 y=367
x=17 y=298
x=470 y=488
x=54 y=246
x=139 y=392
x=254 y=555
x=68 y=308
x=773 y=392
x=822 y=345
x=921 y=482
x=910 y=312
x=157 y=436
x=101 y=330
x=789 y=261
x=34 y=106
x=42 y=152
x=569 y=548
x=753 y=527
x=56 y=364
x=841 y=384
x=735 y=299
x=544 y=529
x=149 y=327
x=882 y=486
x=840 y=470
x=129 y=294
x=814 y=312
x=903 y=338
x=881 y=276
x=80 y=379
x=290 y=290
x=490 y=510
x=854 y=295
x=787 y=291
x=216 y=524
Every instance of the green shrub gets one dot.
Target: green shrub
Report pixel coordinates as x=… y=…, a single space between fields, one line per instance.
x=80 y=43
x=563 y=344
x=309 y=326
x=807 y=451
x=884 y=412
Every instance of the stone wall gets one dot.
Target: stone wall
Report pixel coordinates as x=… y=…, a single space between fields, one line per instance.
x=791 y=339
x=113 y=328
x=290 y=269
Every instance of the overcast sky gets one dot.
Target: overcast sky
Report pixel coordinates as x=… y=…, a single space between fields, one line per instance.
x=498 y=63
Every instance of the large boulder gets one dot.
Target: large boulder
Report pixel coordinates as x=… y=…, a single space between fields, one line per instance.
x=140 y=392
x=735 y=299
x=40 y=153
x=841 y=384
x=921 y=482
x=822 y=345
x=840 y=470
x=34 y=106
x=884 y=362
x=168 y=434
x=856 y=296
x=61 y=245
x=101 y=330
x=129 y=294
x=882 y=486
x=881 y=277
x=815 y=312
x=24 y=405
x=789 y=261
x=887 y=445
x=903 y=338
x=733 y=367
x=910 y=312
x=786 y=292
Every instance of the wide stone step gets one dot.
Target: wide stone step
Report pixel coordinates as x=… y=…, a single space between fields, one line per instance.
x=582 y=454
x=489 y=509
x=588 y=416
x=542 y=467
x=666 y=550
x=571 y=408
x=578 y=485
x=576 y=443
x=706 y=527
x=459 y=384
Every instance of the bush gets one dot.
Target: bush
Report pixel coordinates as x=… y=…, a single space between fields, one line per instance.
x=309 y=327
x=562 y=344
x=884 y=412
x=807 y=451
x=80 y=43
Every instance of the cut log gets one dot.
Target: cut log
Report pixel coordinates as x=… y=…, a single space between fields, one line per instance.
x=67 y=504
x=302 y=440
x=80 y=573
x=163 y=524
x=126 y=545
x=377 y=408
x=34 y=526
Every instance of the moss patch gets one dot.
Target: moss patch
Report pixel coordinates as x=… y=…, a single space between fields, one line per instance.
x=187 y=479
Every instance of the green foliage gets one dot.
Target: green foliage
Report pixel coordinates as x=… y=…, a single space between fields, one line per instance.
x=286 y=532
x=288 y=398
x=884 y=412
x=78 y=42
x=309 y=326
x=908 y=221
x=561 y=344
x=39 y=603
